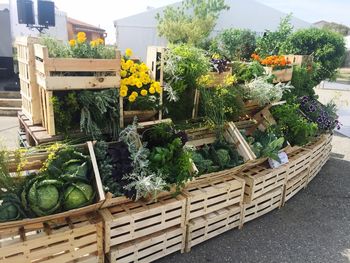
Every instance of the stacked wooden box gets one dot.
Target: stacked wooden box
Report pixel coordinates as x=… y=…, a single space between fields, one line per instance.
x=62 y=74
x=62 y=240
x=143 y=232
x=214 y=205
x=27 y=78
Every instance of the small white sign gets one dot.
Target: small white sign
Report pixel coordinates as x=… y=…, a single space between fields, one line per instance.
x=283 y=160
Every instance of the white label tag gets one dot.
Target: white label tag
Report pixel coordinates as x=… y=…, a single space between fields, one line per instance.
x=283 y=158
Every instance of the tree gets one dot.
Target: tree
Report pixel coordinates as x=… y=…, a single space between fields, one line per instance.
x=192 y=22
x=326 y=47
x=273 y=41
x=338 y=28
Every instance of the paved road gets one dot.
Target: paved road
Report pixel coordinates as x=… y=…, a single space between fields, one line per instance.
x=313 y=227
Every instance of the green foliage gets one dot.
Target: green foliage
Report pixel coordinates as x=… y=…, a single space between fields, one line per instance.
x=266 y=144
x=56 y=48
x=10 y=208
x=236 y=44
x=272 y=43
x=77 y=195
x=246 y=72
x=326 y=47
x=191 y=23
x=338 y=28
x=184 y=65
x=296 y=129
x=302 y=81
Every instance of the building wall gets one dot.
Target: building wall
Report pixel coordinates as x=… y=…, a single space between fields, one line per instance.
x=59 y=31
x=5 y=34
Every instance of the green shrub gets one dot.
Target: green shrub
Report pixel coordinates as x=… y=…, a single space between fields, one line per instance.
x=326 y=47
x=237 y=44
x=246 y=72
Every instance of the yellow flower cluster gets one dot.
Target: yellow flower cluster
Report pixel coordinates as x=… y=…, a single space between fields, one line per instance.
x=81 y=39
x=135 y=79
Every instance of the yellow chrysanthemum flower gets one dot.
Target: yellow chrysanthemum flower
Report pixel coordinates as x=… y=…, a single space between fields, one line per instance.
x=156 y=84
x=93 y=43
x=123 y=73
x=132 y=98
x=123 y=93
x=133 y=69
x=130 y=63
x=124 y=87
x=81 y=35
x=100 y=41
x=143 y=67
x=134 y=93
x=128 y=52
x=144 y=92
x=72 y=42
x=152 y=90
x=139 y=83
x=159 y=89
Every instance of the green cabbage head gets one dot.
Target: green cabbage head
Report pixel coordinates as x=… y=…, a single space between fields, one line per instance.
x=42 y=196
x=10 y=208
x=77 y=195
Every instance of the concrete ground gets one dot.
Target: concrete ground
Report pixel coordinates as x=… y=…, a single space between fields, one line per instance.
x=9 y=132
x=313 y=227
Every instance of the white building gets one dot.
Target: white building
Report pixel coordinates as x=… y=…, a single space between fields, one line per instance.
x=139 y=31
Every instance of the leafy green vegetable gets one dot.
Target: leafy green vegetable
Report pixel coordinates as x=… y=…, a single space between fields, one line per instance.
x=78 y=195
x=10 y=208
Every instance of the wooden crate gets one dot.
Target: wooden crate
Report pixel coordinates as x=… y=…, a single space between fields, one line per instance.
x=63 y=240
x=33 y=162
x=280 y=75
x=149 y=248
x=319 y=162
x=36 y=134
x=299 y=160
x=56 y=73
x=219 y=78
x=155 y=62
x=261 y=179
x=211 y=194
x=318 y=145
x=297 y=183
x=134 y=220
x=210 y=225
x=27 y=78
x=263 y=204
x=299 y=60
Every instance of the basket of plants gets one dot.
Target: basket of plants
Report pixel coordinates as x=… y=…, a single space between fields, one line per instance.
x=145 y=163
x=140 y=95
x=220 y=70
x=43 y=184
x=278 y=66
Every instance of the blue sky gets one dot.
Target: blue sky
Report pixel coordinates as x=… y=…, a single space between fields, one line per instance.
x=103 y=12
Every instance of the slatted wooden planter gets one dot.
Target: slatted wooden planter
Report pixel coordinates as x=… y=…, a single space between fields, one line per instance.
x=261 y=179
x=62 y=240
x=263 y=204
x=155 y=62
x=299 y=160
x=149 y=248
x=33 y=162
x=213 y=193
x=210 y=225
x=27 y=78
x=299 y=60
x=75 y=73
x=297 y=183
x=130 y=226
x=280 y=75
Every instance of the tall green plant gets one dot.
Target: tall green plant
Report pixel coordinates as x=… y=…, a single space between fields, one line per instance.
x=192 y=22
x=272 y=42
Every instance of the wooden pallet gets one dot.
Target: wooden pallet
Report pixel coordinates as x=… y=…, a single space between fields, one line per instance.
x=212 y=194
x=261 y=179
x=263 y=204
x=37 y=134
x=63 y=240
x=210 y=225
x=134 y=220
x=155 y=62
x=27 y=78
x=56 y=73
x=297 y=183
x=149 y=248
x=34 y=161
x=280 y=75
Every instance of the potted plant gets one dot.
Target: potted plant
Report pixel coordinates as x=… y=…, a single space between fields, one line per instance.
x=220 y=70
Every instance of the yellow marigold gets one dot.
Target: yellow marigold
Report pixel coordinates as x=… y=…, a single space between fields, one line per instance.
x=159 y=89
x=123 y=93
x=93 y=43
x=152 y=90
x=144 y=92
x=230 y=80
x=81 y=35
x=139 y=83
x=124 y=87
x=128 y=52
x=130 y=63
x=132 y=98
x=134 y=93
x=133 y=69
x=72 y=42
x=131 y=81
x=143 y=67
x=123 y=73
x=81 y=40
x=125 y=66
x=122 y=60
x=100 y=41
x=156 y=84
